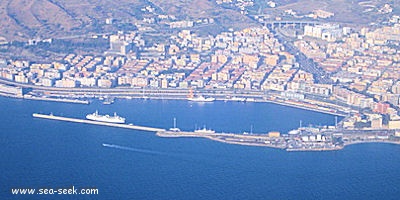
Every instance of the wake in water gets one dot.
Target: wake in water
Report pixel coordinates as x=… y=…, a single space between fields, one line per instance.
x=189 y=158
x=134 y=149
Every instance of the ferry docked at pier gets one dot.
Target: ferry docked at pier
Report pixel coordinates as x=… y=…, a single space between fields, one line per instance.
x=105 y=118
x=201 y=99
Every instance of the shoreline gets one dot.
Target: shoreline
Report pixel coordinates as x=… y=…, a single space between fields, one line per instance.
x=74 y=95
x=78 y=101
x=370 y=142
x=63 y=100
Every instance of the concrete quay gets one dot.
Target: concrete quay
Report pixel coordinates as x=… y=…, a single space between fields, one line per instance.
x=56 y=99
x=230 y=138
x=85 y=121
x=288 y=143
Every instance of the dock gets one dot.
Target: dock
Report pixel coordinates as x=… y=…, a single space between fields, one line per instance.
x=63 y=100
x=262 y=140
x=85 y=121
x=288 y=142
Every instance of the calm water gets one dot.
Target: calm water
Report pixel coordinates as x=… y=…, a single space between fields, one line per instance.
x=37 y=153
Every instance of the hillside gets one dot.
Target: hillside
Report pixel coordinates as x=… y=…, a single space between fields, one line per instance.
x=27 y=19
x=360 y=12
x=23 y=19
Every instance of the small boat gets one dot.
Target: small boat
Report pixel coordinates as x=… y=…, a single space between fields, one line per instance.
x=108 y=101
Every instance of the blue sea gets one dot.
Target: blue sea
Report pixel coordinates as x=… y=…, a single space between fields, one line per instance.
x=39 y=153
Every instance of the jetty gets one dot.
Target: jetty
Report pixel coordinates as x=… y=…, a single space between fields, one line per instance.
x=85 y=121
x=262 y=140
x=323 y=140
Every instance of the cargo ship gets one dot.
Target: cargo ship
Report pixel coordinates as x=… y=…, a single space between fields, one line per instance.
x=201 y=99
x=105 y=118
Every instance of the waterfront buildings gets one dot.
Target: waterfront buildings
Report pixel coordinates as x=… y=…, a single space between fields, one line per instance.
x=362 y=65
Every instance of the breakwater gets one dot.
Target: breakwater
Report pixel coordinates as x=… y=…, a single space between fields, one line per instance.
x=321 y=141
x=239 y=139
x=85 y=121
x=231 y=138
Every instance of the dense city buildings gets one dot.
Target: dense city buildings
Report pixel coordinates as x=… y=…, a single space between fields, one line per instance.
x=359 y=65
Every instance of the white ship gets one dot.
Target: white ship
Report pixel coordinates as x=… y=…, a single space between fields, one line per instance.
x=204 y=130
x=106 y=118
x=201 y=99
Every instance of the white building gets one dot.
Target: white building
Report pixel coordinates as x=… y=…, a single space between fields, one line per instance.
x=328 y=32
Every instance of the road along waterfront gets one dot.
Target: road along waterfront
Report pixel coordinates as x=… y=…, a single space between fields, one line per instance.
x=83 y=95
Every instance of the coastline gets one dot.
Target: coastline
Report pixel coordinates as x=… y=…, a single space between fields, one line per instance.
x=75 y=95
x=179 y=96
x=81 y=95
x=368 y=142
x=56 y=99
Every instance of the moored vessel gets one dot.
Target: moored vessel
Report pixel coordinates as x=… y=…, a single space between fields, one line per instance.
x=105 y=118
x=204 y=130
x=108 y=101
x=201 y=99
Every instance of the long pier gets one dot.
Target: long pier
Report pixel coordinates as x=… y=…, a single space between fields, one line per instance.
x=262 y=140
x=288 y=143
x=85 y=121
